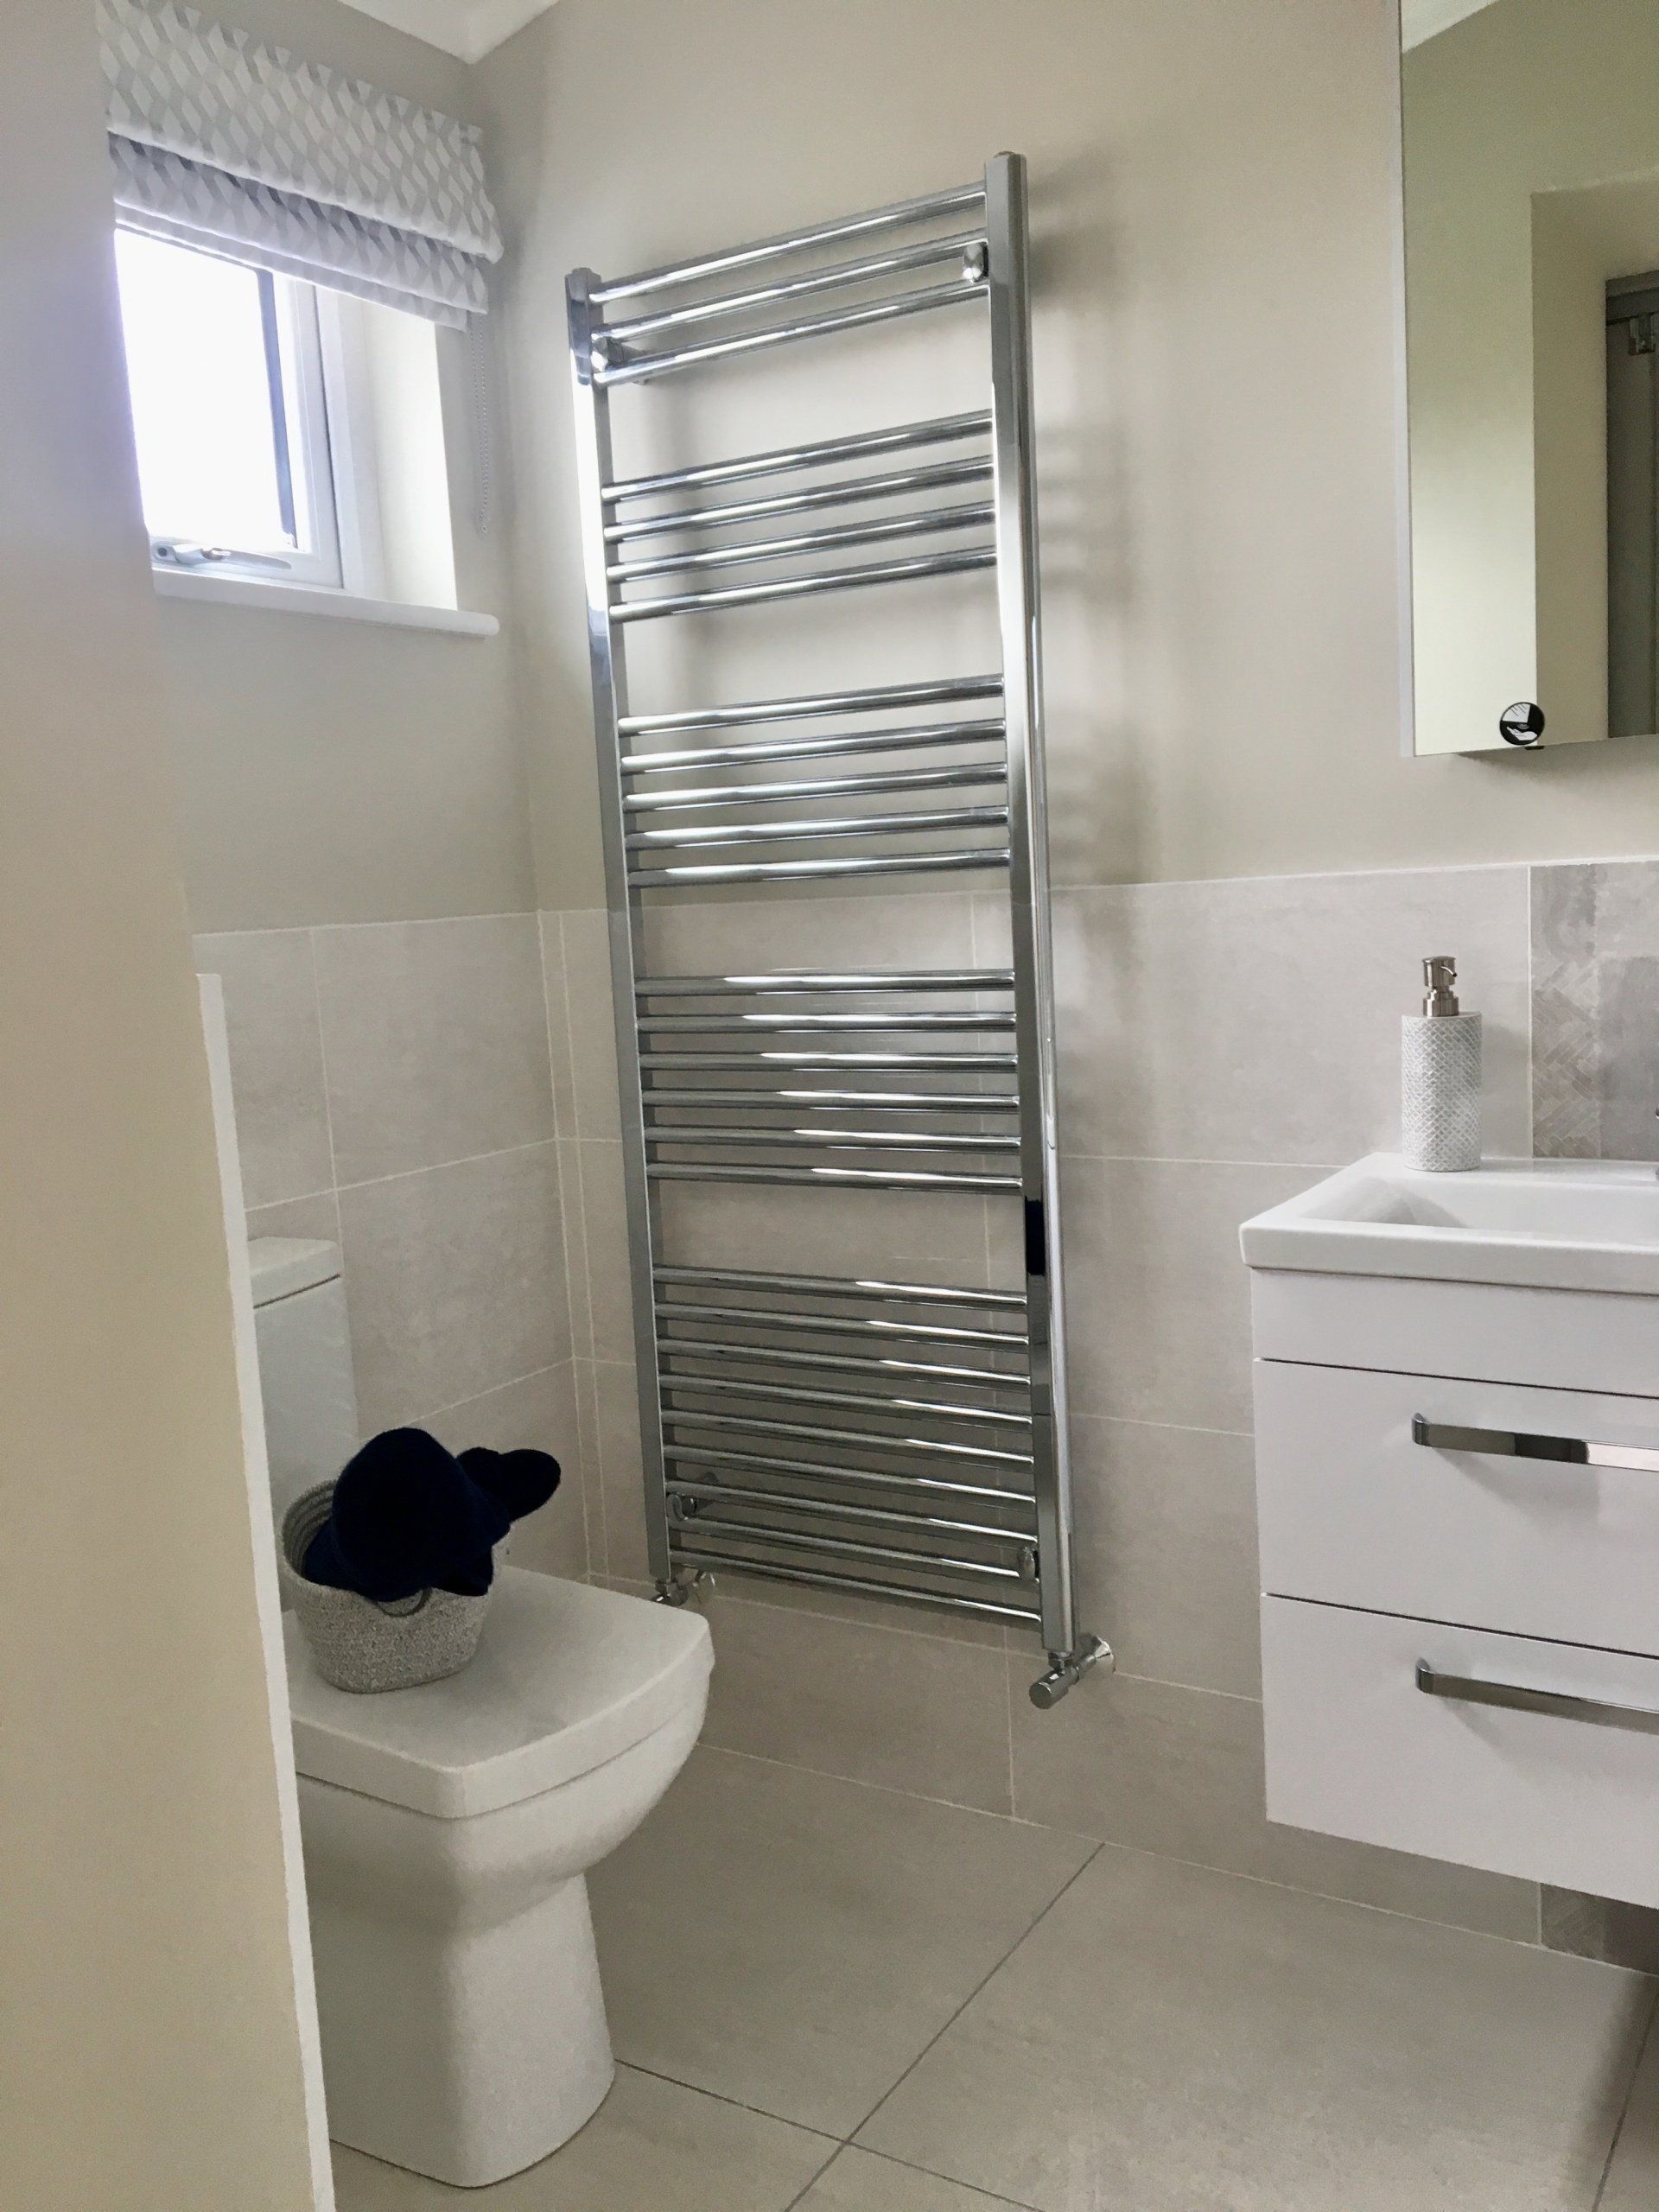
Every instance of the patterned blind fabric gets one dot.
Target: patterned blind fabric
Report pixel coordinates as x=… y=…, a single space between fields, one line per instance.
x=218 y=141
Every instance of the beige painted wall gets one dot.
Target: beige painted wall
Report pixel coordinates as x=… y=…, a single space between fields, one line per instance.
x=338 y=771
x=148 y=2020
x=1522 y=136
x=1215 y=225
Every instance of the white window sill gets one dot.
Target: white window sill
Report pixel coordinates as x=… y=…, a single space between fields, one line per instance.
x=306 y=599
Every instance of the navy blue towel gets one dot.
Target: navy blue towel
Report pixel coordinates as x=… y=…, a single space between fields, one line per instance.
x=518 y=1481
x=407 y=1516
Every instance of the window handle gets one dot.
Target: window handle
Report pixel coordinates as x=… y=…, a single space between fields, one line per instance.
x=1515 y=1444
x=185 y=553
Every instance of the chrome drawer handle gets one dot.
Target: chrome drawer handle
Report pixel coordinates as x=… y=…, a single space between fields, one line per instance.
x=1515 y=1444
x=1468 y=1689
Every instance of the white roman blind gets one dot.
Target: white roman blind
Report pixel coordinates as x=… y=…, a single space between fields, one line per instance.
x=220 y=142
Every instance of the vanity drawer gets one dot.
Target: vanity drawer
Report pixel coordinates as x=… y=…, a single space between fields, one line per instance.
x=1354 y=1511
x=1355 y=1747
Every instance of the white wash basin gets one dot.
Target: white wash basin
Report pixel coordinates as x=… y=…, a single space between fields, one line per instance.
x=1562 y=1224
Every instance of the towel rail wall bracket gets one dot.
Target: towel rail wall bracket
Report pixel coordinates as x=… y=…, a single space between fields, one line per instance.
x=903 y=1440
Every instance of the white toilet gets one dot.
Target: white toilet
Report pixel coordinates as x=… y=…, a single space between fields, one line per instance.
x=447 y=1829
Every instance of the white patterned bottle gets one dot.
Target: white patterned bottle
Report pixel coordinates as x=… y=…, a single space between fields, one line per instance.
x=1439 y=1089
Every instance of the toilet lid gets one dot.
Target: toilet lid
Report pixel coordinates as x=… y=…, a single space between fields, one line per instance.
x=565 y=1678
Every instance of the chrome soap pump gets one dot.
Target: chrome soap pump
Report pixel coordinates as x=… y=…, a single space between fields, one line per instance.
x=1439 y=1091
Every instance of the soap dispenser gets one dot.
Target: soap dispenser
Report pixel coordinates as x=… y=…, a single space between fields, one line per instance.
x=1439 y=1091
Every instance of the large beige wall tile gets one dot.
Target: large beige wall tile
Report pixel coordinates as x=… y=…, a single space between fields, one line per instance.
x=916 y=1713
x=270 y=1009
x=538 y=1412
x=1179 y=1772
x=621 y=1477
x=816 y=1232
x=593 y=1029
x=436 y=1040
x=1166 y=1551
x=557 y=992
x=1260 y=1019
x=454 y=1281
x=317 y=1216
x=704 y=936
x=1157 y=1297
x=604 y=1232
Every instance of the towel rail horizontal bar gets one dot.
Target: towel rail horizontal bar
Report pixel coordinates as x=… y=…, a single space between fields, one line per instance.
x=649 y=878
x=691 y=837
x=633 y=368
x=872 y=699
x=850 y=1548
x=831 y=1139
x=692 y=800
x=921 y=1294
x=831 y=1324
x=929 y=208
x=851 y=1178
x=949 y=1019
x=743 y=1495
x=874 y=572
x=723 y=1455
x=929 y=254
x=705 y=1555
x=851 y=1440
x=790 y=1356
x=826 y=979
x=989 y=1103
x=829 y=744
x=887 y=483
x=971 y=515
x=864 y=1402
x=765 y=1057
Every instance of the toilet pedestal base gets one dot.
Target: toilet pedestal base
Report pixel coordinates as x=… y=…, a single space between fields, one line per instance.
x=463 y=2053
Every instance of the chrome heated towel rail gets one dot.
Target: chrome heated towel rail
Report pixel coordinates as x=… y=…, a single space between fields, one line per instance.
x=906 y=1439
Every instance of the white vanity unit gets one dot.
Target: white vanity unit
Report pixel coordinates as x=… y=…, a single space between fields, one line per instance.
x=1457 y=1406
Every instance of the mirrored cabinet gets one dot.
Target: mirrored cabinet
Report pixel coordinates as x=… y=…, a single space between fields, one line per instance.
x=1530 y=139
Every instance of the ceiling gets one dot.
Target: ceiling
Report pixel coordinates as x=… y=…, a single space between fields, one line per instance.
x=467 y=27
x=1422 y=19
x=471 y=27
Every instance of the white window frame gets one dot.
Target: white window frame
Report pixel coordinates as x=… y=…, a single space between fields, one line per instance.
x=325 y=456
x=368 y=492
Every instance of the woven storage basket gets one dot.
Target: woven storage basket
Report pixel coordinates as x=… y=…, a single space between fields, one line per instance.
x=360 y=1645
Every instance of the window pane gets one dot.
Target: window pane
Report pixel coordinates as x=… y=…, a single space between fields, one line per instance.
x=201 y=397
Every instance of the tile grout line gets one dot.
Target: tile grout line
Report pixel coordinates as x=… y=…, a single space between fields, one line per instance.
x=439 y=1167
x=542 y=918
x=915 y=1796
x=1650 y=2036
x=1036 y=1921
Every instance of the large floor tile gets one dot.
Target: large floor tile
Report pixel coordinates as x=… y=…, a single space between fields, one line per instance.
x=857 y=2180
x=1161 y=1767
x=875 y=1704
x=652 y=2146
x=794 y=1941
x=1632 y=2183
x=1172 y=2040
